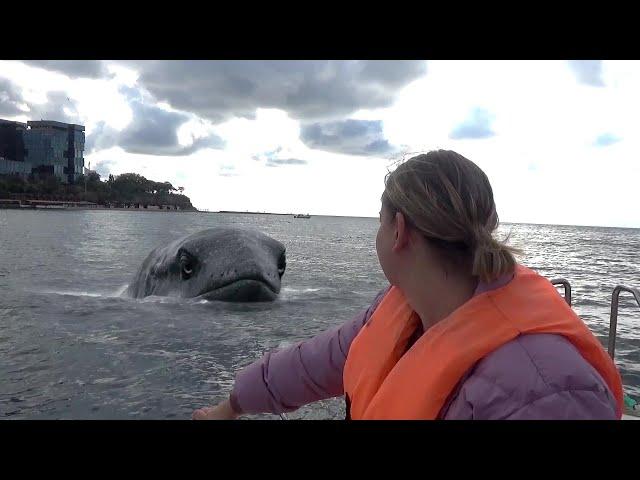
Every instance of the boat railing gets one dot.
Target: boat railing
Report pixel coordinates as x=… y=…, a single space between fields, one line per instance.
x=567 y=288
x=613 y=319
x=615 y=300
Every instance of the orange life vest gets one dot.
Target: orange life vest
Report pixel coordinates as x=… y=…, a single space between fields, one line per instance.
x=381 y=381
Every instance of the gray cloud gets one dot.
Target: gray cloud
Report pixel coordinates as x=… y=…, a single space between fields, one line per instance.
x=605 y=140
x=477 y=125
x=307 y=90
x=72 y=68
x=152 y=131
x=267 y=155
x=588 y=72
x=271 y=160
x=54 y=109
x=103 y=168
x=102 y=137
x=353 y=137
x=10 y=98
x=277 y=162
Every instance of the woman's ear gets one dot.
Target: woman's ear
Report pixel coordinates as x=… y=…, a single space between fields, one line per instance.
x=401 y=232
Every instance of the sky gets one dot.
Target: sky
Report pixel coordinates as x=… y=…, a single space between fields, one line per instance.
x=557 y=139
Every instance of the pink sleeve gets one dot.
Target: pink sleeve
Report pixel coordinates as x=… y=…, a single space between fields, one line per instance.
x=284 y=380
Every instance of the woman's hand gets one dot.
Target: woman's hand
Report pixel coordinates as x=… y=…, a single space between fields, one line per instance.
x=222 y=411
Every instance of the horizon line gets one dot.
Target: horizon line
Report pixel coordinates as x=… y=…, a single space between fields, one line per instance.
x=374 y=217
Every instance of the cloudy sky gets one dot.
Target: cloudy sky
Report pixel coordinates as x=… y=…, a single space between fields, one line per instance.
x=558 y=139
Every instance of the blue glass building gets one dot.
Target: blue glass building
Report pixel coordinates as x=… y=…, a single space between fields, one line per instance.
x=55 y=148
x=42 y=147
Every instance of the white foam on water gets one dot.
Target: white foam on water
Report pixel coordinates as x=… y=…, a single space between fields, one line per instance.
x=289 y=293
x=101 y=338
x=300 y=290
x=120 y=293
x=75 y=293
x=105 y=380
x=81 y=293
x=121 y=290
x=158 y=299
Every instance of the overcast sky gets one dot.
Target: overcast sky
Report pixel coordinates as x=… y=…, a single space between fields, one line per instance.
x=558 y=139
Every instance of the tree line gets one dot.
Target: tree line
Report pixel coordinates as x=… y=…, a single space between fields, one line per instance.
x=128 y=189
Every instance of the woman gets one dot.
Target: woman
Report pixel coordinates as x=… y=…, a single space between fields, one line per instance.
x=463 y=332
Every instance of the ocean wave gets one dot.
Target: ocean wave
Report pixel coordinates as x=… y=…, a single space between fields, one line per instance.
x=300 y=290
x=84 y=293
x=73 y=293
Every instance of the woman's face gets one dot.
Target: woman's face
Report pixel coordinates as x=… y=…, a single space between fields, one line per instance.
x=385 y=240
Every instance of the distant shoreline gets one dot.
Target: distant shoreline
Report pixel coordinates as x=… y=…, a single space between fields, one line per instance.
x=246 y=213
x=194 y=210
x=232 y=212
x=41 y=208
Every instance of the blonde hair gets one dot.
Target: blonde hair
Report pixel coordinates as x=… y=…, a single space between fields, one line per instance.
x=449 y=199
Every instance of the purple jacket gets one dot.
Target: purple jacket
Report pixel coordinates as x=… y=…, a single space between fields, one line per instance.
x=538 y=376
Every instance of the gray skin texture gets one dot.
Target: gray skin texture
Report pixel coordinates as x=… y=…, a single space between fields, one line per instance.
x=224 y=263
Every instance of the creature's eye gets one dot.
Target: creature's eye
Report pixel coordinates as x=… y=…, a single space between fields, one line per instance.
x=187 y=265
x=282 y=264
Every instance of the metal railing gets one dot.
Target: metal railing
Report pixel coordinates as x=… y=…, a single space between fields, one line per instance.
x=613 y=320
x=567 y=288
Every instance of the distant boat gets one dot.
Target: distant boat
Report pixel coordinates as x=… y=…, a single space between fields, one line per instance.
x=302 y=215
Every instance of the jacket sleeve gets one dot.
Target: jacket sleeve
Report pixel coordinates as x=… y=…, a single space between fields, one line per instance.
x=568 y=405
x=534 y=376
x=284 y=380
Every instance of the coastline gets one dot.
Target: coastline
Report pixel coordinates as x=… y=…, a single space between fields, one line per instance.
x=101 y=208
x=245 y=213
x=97 y=209
x=194 y=210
